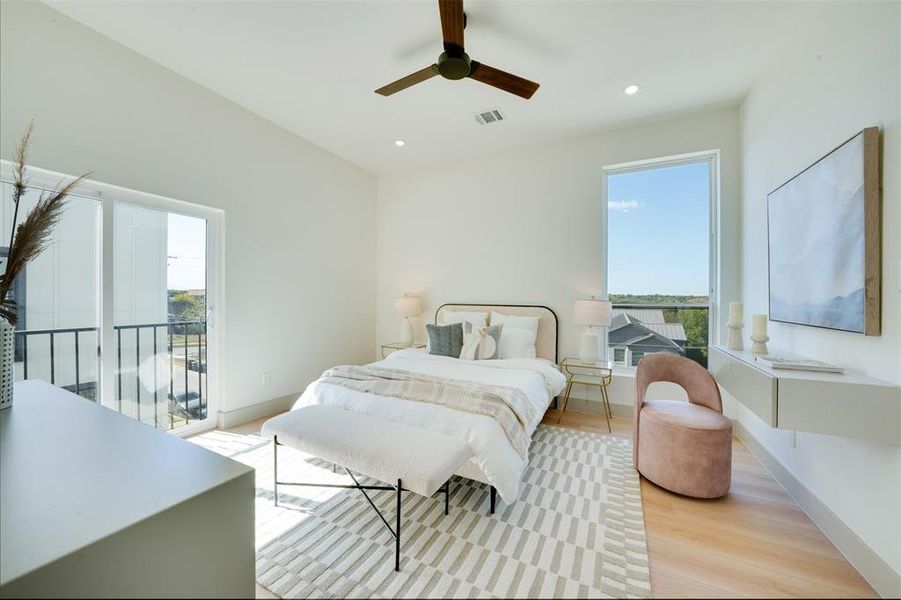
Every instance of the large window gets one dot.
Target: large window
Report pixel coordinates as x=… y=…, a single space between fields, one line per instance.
x=118 y=308
x=660 y=253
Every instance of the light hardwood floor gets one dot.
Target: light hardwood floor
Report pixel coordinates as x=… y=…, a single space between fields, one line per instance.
x=754 y=543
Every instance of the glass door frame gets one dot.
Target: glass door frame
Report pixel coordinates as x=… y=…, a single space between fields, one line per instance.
x=109 y=195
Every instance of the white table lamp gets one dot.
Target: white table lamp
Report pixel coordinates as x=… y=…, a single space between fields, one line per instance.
x=592 y=313
x=406 y=307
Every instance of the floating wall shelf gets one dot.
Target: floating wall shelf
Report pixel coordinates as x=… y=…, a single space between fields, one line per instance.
x=840 y=404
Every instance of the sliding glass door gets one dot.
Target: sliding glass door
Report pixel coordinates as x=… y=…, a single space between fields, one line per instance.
x=119 y=307
x=160 y=316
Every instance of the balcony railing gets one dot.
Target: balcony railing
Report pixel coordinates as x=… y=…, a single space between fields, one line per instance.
x=153 y=364
x=675 y=328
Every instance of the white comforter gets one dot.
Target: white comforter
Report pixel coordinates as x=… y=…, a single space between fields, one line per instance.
x=494 y=459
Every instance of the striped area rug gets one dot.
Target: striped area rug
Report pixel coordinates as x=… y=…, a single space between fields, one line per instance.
x=577 y=530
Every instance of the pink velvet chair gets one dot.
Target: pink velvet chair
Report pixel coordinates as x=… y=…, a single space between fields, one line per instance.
x=685 y=447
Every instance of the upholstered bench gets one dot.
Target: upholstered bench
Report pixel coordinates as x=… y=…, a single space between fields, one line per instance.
x=408 y=459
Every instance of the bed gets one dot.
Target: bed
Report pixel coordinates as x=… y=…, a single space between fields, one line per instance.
x=496 y=459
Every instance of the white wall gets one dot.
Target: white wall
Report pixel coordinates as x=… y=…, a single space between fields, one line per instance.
x=299 y=267
x=525 y=227
x=793 y=115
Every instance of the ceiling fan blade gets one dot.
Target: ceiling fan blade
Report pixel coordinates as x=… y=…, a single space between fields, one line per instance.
x=410 y=80
x=503 y=80
x=452 y=24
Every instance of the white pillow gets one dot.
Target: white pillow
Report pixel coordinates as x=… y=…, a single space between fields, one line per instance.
x=514 y=322
x=516 y=343
x=478 y=319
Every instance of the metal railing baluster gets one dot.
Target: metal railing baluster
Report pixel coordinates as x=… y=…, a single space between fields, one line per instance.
x=187 y=412
x=138 y=370
x=77 y=367
x=156 y=387
x=52 y=361
x=119 y=370
x=200 y=376
x=171 y=379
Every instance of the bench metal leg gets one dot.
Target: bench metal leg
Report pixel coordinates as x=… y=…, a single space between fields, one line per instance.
x=493 y=499
x=397 y=531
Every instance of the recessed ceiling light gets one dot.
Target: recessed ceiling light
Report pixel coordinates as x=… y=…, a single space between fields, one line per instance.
x=631 y=89
x=399 y=143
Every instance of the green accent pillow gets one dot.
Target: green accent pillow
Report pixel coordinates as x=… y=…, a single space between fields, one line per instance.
x=445 y=340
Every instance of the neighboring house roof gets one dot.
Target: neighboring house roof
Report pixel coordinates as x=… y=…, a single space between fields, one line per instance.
x=645 y=315
x=671 y=331
x=628 y=329
x=651 y=318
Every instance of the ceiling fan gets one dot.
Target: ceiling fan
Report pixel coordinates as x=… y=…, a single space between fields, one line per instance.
x=454 y=63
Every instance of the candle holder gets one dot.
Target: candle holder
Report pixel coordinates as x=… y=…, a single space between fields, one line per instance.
x=759 y=345
x=735 y=341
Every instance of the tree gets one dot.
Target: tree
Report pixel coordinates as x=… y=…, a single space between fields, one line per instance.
x=694 y=322
x=186 y=307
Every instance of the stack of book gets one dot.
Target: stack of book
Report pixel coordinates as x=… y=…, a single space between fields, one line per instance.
x=797 y=364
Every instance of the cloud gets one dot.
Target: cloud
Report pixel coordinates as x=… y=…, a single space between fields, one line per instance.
x=622 y=205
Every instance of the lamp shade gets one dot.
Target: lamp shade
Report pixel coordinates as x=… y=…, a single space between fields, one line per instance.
x=591 y=312
x=408 y=306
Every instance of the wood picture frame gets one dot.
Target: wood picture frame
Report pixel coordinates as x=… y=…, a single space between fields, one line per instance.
x=872 y=182
x=824 y=240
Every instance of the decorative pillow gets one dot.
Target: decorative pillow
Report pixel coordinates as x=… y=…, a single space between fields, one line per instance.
x=445 y=340
x=515 y=322
x=516 y=343
x=471 y=339
x=481 y=344
x=479 y=319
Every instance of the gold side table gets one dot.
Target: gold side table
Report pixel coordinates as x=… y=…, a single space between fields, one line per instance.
x=391 y=347
x=579 y=372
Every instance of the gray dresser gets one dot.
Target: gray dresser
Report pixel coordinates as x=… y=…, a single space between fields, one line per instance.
x=95 y=504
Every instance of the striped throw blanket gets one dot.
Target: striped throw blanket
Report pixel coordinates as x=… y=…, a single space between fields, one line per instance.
x=509 y=406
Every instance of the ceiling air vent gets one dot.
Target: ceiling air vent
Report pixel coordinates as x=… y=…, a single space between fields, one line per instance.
x=489 y=116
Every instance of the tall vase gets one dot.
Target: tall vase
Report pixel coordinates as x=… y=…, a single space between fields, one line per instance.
x=6 y=364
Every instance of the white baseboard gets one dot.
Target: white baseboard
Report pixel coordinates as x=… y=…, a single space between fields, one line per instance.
x=871 y=566
x=232 y=418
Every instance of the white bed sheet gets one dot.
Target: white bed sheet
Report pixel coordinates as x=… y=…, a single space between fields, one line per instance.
x=493 y=456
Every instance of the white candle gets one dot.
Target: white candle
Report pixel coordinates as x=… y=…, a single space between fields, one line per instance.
x=735 y=313
x=758 y=325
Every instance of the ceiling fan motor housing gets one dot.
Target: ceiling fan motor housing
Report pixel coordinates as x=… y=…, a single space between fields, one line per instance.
x=456 y=66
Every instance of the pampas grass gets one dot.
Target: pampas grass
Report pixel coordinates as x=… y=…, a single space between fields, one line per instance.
x=30 y=237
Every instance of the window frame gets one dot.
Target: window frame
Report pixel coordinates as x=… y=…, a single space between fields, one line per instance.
x=712 y=158
x=109 y=195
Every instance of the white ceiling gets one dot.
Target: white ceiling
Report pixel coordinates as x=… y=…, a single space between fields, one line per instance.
x=311 y=67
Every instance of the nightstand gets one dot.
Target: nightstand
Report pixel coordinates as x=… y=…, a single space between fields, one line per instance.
x=391 y=347
x=598 y=374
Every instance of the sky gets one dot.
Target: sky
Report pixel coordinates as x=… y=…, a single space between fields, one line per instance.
x=186 y=253
x=657 y=231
